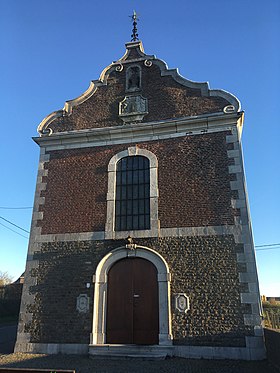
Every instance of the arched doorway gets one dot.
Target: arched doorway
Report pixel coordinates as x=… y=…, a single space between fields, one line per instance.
x=132 y=303
x=99 y=326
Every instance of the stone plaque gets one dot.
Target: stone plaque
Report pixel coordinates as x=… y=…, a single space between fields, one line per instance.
x=82 y=304
x=133 y=108
x=182 y=303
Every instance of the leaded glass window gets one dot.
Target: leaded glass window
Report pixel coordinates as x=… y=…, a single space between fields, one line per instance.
x=132 y=210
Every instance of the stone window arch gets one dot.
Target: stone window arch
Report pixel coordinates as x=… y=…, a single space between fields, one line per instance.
x=153 y=231
x=100 y=279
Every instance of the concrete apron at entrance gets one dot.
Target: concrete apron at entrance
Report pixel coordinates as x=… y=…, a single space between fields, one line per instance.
x=118 y=351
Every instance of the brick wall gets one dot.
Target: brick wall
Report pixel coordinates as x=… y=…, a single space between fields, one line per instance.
x=204 y=268
x=166 y=99
x=194 y=185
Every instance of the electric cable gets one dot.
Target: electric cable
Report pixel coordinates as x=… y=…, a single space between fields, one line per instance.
x=14 y=231
x=14 y=208
x=268 y=248
x=8 y=221
x=272 y=244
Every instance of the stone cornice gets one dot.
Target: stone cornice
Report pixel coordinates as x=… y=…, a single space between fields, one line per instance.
x=142 y=131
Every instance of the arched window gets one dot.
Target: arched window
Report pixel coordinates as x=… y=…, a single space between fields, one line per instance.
x=132 y=211
x=132 y=198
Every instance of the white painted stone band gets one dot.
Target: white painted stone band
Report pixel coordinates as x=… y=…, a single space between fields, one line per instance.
x=131 y=133
x=222 y=230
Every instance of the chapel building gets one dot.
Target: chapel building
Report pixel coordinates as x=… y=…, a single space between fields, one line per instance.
x=141 y=235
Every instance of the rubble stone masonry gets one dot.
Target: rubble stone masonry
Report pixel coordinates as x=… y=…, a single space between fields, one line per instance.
x=205 y=268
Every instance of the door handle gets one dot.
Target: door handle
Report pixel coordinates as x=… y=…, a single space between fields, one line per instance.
x=136 y=296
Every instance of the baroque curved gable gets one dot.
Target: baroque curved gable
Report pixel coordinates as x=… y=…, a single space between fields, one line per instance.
x=137 y=88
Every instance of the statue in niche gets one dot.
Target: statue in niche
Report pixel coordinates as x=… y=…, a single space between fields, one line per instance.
x=133 y=78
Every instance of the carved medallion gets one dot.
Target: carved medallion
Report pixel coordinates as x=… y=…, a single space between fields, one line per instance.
x=182 y=302
x=82 y=304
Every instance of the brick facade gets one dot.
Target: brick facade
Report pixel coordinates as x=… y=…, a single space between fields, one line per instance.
x=171 y=101
x=194 y=185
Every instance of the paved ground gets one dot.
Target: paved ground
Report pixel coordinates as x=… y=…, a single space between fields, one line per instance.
x=7 y=338
x=83 y=364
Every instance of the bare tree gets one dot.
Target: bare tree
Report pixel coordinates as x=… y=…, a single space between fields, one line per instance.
x=5 y=278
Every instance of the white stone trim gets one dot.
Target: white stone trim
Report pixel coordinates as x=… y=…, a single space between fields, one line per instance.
x=245 y=237
x=68 y=106
x=227 y=96
x=110 y=232
x=35 y=232
x=38 y=200
x=134 y=44
x=67 y=237
x=222 y=230
x=249 y=297
x=52 y=348
x=252 y=320
x=128 y=133
x=98 y=335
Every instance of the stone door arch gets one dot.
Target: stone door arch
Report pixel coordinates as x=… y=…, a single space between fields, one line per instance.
x=98 y=335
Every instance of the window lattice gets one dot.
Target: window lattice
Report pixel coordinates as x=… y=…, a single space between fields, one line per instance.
x=132 y=194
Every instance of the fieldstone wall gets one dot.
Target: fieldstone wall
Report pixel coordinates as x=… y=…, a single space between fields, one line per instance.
x=205 y=268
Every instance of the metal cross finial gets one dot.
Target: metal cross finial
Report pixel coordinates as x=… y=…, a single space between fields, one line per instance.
x=134 y=35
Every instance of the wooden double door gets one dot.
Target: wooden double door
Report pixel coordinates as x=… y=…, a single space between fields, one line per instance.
x=132 y=303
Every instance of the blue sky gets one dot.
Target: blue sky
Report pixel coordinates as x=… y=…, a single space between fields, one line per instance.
x=50 y=50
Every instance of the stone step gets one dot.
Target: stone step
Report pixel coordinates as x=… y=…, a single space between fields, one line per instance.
x=130 y=352
x=125 y=356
